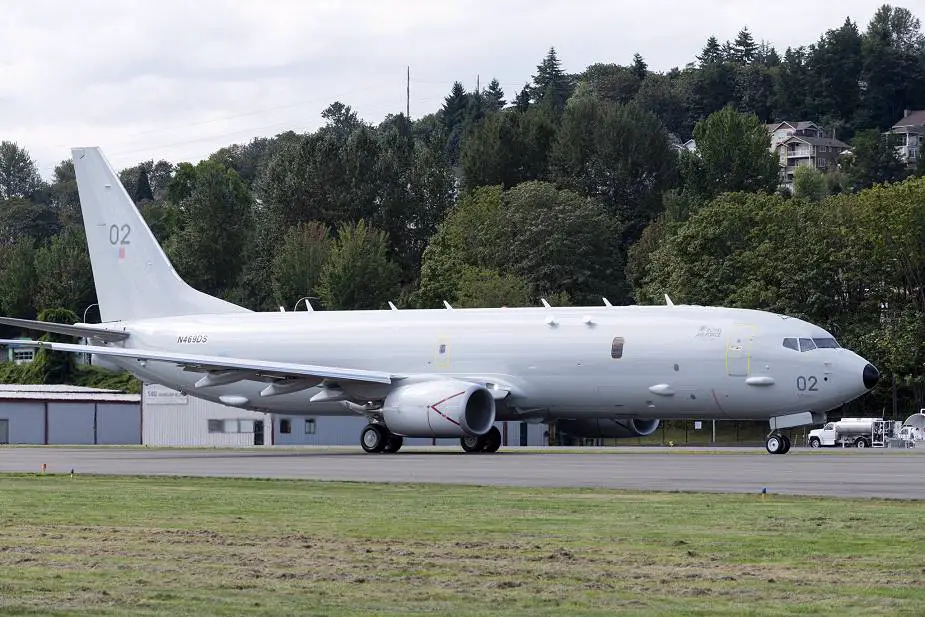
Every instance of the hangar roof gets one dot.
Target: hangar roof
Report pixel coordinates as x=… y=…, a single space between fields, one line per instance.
x=19 y=392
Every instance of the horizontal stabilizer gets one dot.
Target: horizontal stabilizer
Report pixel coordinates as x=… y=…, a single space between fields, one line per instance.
x=81 y=331
x=217 y=363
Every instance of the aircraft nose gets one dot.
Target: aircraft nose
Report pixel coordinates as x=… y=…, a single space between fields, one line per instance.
x=871 y=376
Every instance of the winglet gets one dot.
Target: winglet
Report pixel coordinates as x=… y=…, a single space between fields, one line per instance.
x=546 y=304
x=668 y=301
x=447 y=305
x=392 y=306
x=607 y=302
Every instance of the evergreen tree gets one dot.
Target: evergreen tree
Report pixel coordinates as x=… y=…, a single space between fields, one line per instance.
x=744 y=50
x=551 y=86
x=791 y=81
x=142 y=190
x=833 y=72
x=712 y=52
x=523 y=98
x=493 y=97
x=640 y=69
x=454 y=107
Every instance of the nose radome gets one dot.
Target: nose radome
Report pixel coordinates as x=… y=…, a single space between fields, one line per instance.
x=871 y=376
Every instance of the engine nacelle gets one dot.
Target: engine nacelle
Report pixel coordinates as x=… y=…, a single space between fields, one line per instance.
x=608 y=427
x=439 y=408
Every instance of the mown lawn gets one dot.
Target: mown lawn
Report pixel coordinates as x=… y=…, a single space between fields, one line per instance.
x=184 y=546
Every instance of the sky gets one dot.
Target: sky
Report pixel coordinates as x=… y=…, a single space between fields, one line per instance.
x=179 y=79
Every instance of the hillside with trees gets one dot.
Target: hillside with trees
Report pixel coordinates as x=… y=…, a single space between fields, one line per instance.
x=575 y=187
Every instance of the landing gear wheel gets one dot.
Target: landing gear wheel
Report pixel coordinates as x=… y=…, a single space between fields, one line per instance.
x=393 y=443
x=775 y=444
x=492 y=440
x=814 y=442
x=471 y=443
x=373 y=438
x=786 y=444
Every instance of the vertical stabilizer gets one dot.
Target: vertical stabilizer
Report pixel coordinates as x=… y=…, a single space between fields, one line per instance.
x=133 y=277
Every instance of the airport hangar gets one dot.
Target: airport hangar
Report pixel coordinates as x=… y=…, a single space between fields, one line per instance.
x=159 y=416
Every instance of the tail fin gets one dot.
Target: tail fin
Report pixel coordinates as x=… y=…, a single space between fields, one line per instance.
x=133 y=277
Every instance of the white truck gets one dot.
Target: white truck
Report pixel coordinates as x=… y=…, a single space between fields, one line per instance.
x=857 y=432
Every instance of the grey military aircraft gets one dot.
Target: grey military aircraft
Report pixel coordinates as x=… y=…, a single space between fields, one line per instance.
x=612 y=371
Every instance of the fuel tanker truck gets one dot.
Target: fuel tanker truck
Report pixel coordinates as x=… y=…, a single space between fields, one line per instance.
x=857 y=432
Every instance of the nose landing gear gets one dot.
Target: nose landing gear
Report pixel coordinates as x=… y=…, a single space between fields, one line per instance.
x=777 y=443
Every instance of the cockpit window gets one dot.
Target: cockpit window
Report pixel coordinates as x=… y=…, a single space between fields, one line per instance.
x=807 y=344
x=791 y=343
x=826 y=343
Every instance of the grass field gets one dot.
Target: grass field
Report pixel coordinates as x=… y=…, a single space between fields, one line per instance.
x=181 y=546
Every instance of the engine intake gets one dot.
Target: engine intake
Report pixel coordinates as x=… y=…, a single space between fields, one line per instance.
x=439 y=408
x=608 y=427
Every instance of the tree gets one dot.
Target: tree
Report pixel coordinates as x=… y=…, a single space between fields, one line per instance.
x=873 y=160
x=809 y=183
x=551 y=87
x=485 y=288
x=640 y=69
x=298 y=263
x=19 y=177
x=659 y=94
x=712 y=52
x=216 y=212
x=53 y=367
x=744 y=50
x=732 y=155
x=17 y=279
x=358 y=273
x=556 y=240
x=341 y=119
x=63 y=277
x=21 y=219
x=612 y=82
x=493 y=97
x=893 y=73
x=508 y=148
x=617 y=154
x=65 y=200
x=791 y=84
x=834 y=68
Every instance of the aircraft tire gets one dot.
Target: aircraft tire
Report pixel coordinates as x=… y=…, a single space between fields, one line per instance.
x=774 y=444
x=472 y=444
x=393 y=443
x=786 y=444
x=492 y=440
x=373 y=438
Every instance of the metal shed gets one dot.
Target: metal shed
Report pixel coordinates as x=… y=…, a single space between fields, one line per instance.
x=62 y=414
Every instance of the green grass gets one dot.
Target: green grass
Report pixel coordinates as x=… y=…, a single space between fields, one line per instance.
x=180 y=546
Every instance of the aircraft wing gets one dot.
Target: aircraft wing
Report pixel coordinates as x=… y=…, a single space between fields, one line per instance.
x=218 y=363
x=104 y=334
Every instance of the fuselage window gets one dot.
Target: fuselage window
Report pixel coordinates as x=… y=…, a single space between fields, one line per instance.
x=826 y=343
x=791 y=343
x=807 y=344
x=616 y=349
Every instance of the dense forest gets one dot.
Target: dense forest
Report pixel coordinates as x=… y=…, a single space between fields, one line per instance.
x=572 y=189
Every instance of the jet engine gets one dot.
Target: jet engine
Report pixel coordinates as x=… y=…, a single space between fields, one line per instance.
x=439 y=408
x=608 y=427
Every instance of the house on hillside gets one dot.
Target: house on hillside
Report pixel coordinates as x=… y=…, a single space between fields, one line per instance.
x=783 y=130
x=805 y=150
x=909 y=131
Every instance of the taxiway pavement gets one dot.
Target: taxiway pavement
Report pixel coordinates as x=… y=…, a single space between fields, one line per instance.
x=840 y=473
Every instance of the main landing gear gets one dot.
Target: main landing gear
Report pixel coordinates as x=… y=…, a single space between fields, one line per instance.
x=777 y=443
x=376 y=438
x=489 y=442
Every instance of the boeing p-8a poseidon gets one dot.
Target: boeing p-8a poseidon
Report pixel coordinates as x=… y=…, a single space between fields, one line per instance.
x=603 y=371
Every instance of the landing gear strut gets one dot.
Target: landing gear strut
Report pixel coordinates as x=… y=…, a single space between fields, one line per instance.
x=376 y=438
x=777 y=443
x=489 y=442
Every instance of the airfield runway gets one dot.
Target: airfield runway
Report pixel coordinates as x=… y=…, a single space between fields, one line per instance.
x=840 y=473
